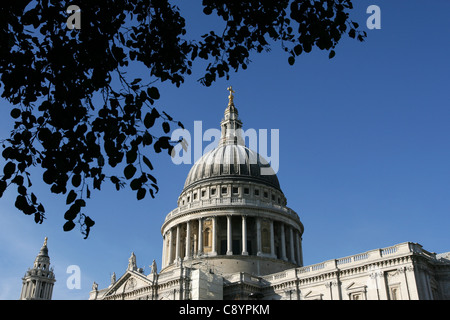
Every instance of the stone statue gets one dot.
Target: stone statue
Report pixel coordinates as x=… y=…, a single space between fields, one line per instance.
x=132 y=262
x=153 y=267
x=94 y=286
x=113 y=278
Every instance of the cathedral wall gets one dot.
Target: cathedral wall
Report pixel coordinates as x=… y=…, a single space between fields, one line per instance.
x=206 y=286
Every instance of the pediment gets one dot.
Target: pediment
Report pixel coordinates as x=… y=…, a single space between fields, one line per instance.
x=129 y=282
x=310 y=295
x=356 y=286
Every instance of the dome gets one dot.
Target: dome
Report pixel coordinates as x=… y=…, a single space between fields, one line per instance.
x=234 y=161
x=232 y=215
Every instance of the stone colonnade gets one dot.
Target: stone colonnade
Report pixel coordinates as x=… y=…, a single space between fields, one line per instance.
x=37 y=289
x=232 y=234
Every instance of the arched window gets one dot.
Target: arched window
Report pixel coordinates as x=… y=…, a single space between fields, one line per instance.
x=207 y=237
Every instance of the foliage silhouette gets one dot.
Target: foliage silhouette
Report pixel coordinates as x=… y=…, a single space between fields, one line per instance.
x=77 y=114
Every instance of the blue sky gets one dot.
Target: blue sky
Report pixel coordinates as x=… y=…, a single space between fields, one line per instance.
x=364 y=152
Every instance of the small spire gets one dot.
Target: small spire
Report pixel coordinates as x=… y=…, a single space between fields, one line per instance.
x=230 y=124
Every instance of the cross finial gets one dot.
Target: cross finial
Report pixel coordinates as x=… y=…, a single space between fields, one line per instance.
x=230 y=97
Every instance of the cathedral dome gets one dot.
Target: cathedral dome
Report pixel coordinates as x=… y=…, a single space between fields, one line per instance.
x=233 y=161
x=232 y=215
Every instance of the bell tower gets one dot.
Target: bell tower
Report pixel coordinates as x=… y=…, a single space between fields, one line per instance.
x=37 y=284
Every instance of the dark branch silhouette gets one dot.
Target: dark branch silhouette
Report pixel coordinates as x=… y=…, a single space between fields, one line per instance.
x=76 y=112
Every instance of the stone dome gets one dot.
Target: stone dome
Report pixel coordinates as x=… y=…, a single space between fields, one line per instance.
x=232 y=161
x=232 y=215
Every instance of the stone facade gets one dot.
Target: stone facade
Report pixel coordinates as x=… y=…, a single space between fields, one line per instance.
x=401 y=272
x=232 y=236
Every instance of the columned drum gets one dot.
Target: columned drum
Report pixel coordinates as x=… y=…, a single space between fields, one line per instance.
x=232 y=215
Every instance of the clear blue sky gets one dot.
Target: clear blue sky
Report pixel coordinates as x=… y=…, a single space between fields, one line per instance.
x=364 y=152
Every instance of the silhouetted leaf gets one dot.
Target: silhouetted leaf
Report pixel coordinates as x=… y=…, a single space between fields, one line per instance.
x=149 y=120
x=89 y=222
x=132 y=155
x=69 y=225
x=38 y=217
x=21 y=202
x=153 y=93
x=135 y=184
x=15 y=113
x=80 y=203
x=41 y=208
x=129 y=171
x=291 y=60
x=9 y=169
x=18 y=180
x=147 y=139
x=147 y=162
x=72 y=212
x=352 y=33
x=34 y=199
x=76 y=180
x=166 y=127
x=298 y=49
x=155 y=187
x=71 y=197
x=141 y=193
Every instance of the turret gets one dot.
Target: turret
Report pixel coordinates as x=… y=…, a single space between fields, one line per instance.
x=37 y=283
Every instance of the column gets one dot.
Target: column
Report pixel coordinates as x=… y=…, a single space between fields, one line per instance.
x=51 y=292
x=27 y=290
x=46 y=290
x=382 y=286
x=195 y=253
x=283 y=243
x=258 y=237
x=297 y=242
x=272 y=240
x=177 y=244
x=300 y=249
x=188 y=240
x=163 y=252
x=200 y=236
x=229 y=236
x=170 y=247
x=38 y=288
x=291 y=244
x=244 y=235
x=214 y=236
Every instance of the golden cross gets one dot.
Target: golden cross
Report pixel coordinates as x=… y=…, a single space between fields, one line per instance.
x=230 y=97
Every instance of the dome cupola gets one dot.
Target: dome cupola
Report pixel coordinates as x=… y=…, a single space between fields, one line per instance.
x=231 y=159
x=231 y=214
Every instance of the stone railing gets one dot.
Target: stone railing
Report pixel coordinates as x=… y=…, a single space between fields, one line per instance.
x=280 y=276
x=217 y=202
x=242 y=277
x=357 y=259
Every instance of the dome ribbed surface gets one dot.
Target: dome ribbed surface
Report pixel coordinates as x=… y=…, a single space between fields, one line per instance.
x=232 y=161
